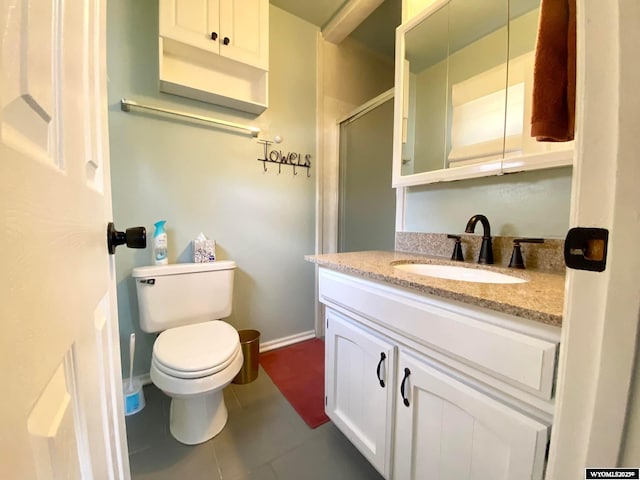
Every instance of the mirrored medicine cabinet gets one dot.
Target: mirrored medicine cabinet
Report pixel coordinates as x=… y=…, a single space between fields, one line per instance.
x=463 y=83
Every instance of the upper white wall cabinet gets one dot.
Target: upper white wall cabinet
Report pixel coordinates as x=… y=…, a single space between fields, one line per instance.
x=464 y=77
x=216 y=51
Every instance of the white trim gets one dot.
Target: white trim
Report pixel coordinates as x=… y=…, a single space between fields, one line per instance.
x=537 y=161
x=348 y=18
x=318 y=320
x=401 y=196
x=367 y=107
x=284 y=341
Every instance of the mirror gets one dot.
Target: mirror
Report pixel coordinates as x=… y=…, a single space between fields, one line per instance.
x=464 y=73
x=523 y=151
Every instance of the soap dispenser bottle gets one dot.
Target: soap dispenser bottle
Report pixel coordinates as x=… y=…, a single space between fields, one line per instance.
x=160 y=244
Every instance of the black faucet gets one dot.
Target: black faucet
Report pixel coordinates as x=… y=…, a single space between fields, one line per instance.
x=486 y=249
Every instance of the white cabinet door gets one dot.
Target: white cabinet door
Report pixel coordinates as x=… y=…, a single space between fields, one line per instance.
x=446 y=430
x=244 y=31
x=359 y=383
x=235 y=29
x=191 y=22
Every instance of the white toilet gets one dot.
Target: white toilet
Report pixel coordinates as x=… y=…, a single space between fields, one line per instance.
x=196 y=355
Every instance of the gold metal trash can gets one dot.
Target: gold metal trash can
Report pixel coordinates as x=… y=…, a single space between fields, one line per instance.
x=250 y=345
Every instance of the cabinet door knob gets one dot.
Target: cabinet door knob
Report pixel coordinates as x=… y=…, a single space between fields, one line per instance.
x=405 y=400
x=226 y=40
x=214 y=36
x=382 y=357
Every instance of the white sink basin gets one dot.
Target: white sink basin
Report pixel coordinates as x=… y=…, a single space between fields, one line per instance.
x=453 y=272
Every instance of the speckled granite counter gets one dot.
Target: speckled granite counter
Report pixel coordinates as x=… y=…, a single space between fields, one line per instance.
x=540 y=299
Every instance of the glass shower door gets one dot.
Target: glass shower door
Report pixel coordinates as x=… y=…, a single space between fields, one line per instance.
x=367 y=203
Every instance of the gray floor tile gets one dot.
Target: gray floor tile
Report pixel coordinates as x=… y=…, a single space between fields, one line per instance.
x=260 y=390
x=171 y=460
x=264 y=439
x=149 y=425
x=256 y=435
x=327 y=455
x=265 y=472
x=263 y=394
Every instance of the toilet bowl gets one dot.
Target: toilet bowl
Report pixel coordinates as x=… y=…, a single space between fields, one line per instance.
x=194 y=357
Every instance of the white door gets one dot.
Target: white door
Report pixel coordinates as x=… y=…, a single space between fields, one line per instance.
x=359 y=387
x=446 y=430
x=62 y=413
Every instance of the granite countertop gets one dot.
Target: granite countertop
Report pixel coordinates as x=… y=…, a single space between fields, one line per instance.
x=540 y=299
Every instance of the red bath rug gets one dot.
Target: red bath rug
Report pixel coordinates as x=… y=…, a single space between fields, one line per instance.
x=298 y=372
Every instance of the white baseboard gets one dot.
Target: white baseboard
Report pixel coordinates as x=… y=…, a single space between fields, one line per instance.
x=145 y=379
x=284 y=341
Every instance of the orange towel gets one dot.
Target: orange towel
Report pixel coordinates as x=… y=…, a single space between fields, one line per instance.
x=554 y=74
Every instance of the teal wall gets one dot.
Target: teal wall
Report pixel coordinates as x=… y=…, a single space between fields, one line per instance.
x=202 y=178
x=533 y=204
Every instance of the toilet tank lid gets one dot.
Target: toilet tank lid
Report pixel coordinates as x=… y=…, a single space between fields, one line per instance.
x=181 y=268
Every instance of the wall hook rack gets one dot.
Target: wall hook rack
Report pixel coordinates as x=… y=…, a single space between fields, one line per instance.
x=278 y=157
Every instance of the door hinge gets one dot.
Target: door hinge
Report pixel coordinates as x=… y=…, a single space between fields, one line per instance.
x=325 y=401
x=327 y=322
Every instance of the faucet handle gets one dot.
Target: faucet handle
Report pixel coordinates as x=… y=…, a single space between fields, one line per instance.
x=516 y=256
x=457 y=248
x=518 y=241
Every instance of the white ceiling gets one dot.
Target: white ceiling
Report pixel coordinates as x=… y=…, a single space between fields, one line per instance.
x=377 y=32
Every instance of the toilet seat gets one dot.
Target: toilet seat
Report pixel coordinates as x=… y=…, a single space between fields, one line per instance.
x=195 y=351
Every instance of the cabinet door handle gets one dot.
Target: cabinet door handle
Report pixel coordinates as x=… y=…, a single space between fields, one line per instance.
x=226 y=40
x=214 y=36
x=382 y=357
x=405 y=400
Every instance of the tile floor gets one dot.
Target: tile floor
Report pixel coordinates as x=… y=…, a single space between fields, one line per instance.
x=264 y=439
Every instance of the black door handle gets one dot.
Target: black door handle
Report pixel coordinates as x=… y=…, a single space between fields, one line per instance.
x=405 y=400
x=135 y=237
x=226 y=40
x=382 y=357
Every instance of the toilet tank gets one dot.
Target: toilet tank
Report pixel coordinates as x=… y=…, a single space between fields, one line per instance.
x=183 y=293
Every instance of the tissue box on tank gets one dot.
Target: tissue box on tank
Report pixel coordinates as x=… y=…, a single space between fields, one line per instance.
x=204 y=251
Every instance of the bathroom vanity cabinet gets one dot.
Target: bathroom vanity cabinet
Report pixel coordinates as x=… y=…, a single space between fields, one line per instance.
x=421 y=384
x=216 y=51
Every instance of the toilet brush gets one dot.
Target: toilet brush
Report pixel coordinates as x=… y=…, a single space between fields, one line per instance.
x=133 y=395
x=132 y=351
